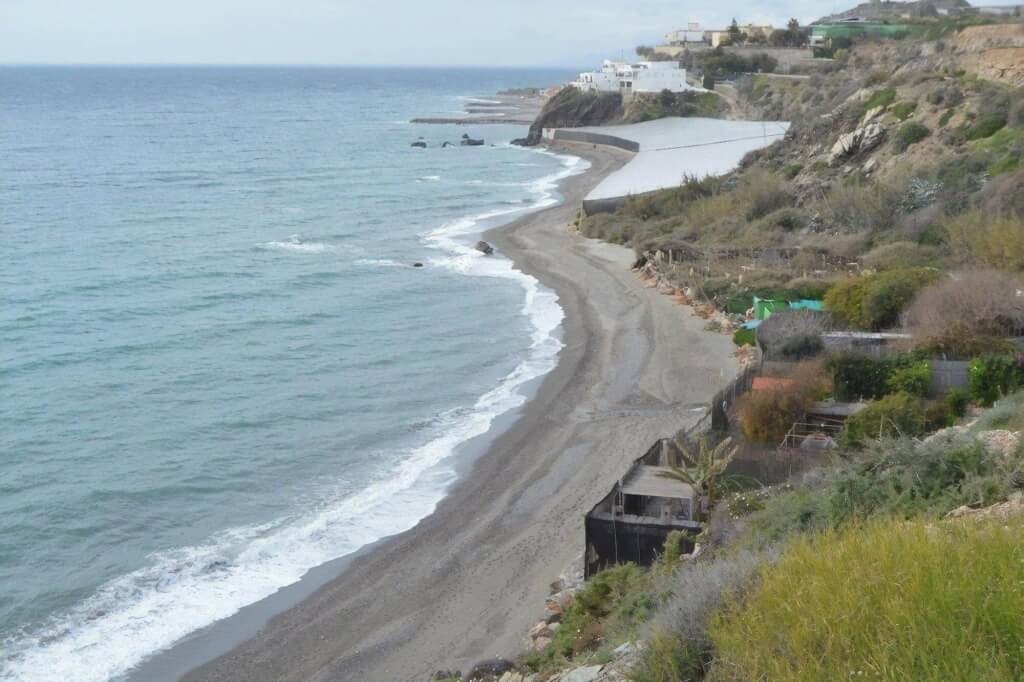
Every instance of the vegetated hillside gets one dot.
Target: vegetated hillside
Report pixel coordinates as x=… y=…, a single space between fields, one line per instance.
x=895 y=554
x=573 y=108
x=901 y=156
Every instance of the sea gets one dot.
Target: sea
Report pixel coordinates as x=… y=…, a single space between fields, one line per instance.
x=219 y=367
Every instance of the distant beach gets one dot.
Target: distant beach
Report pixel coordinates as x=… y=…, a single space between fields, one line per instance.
x=468 y=581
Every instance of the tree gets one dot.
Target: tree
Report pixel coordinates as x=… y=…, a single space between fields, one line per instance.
x=734 y=31
x=703 y=470
x=644 y=50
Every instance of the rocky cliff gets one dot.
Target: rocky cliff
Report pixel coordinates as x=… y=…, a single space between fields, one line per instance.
x=572 y=108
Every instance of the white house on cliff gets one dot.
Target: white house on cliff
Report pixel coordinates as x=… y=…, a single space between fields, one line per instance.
x=639 y=77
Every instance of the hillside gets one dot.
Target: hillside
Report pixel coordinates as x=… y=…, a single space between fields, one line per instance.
x=889 y=548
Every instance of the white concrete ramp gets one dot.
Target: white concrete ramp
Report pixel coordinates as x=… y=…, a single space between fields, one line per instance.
x=669 y=150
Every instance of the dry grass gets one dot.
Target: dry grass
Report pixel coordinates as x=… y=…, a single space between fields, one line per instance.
x=977 y=237
x=891 y=600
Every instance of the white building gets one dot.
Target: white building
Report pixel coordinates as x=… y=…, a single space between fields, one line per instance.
x=693 y=33
x=639 y=77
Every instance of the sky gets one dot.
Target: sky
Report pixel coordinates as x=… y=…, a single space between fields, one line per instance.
x=381 y=32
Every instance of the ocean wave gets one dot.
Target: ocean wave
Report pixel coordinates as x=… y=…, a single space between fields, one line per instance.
x=382 y=263
x=429 y=178
x=295 y=244
x=180 y=591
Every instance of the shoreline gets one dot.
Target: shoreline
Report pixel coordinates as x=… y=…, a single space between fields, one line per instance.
x=467 y=581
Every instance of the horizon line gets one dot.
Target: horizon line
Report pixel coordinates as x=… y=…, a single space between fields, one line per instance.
x=319 y=65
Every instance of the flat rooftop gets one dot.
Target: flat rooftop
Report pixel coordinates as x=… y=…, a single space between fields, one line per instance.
x=647 y=480
x=672 y=149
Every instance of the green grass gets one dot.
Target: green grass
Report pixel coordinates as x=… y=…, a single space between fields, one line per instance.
x=881 y=98
x=891 y=600
x=745 y=337
x=903 y=110
x=985 y=127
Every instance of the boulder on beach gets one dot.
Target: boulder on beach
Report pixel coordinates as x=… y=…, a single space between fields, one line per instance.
x=417 y=264
x=488 y=669
x=419 y=143
x=468 y=141
x=484 y=248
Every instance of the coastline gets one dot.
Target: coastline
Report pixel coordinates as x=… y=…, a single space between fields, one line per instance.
x=469 y=579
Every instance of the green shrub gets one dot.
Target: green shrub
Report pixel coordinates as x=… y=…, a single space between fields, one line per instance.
x=792 y=170
x=914 y=379
x=899 y=414
x=876 y=301
x=958 y=401
x=938 y=416
x=910 y=133
x=891 y=600
x=986 y=126
x=745 y=337
x=862 y=377
x=903 y=110
x=766 y=416
x=669 y=658
x=992 y=376
x=881 y=98
x=944 y=119
x=996 y=240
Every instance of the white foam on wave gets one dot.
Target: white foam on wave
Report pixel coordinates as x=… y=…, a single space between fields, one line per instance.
x=381 y=263
x=180 y=591
x=429 y=178
x=295 y=244
x=478 y=100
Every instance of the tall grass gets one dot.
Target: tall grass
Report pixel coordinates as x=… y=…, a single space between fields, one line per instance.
x=976 y=236
x=890 y=600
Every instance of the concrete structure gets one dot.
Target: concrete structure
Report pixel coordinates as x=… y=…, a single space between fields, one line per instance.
x=693 y=34
x=723 y=37
x=630 y=524
x=669 y=150
x=632 y=78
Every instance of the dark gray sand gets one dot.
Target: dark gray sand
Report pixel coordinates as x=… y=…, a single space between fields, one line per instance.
x=469 y=581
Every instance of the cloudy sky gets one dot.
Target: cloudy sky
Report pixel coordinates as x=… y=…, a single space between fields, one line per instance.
x=421 y=32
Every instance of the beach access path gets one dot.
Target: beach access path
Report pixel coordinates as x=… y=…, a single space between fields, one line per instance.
x=469 y=581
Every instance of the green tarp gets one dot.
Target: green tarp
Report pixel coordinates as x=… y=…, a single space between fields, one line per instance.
x=763 y=307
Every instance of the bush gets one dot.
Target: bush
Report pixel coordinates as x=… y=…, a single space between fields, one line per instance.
x=912 y=601
x=681 y=646
x=857 y=377
x=967 y=314
x=881 y=98
x=958 y=401
x=903 y=110
x=914 y=379
x=986 y=126
x=793 y=334
x=995 y=240
x=762 y=192
x=744 y=337
x=767 y=415
x=866 y=206
x=900 y=255
x=938 y=416
x=899 y=414
x=876 y=301
x=993 y=376
x=910 y=133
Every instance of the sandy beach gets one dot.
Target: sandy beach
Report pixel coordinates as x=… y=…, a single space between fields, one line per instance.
x=469 y=580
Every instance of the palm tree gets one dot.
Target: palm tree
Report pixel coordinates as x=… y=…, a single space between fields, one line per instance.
x=702 y=471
